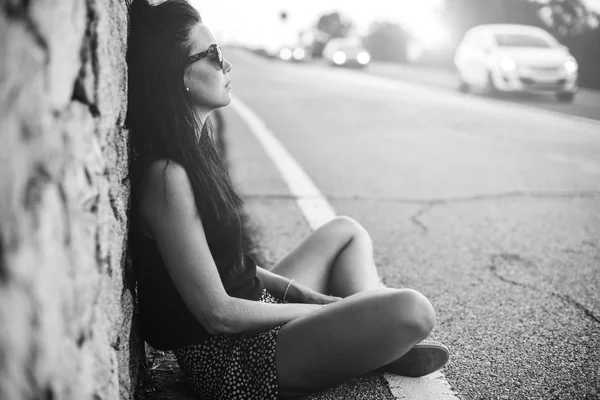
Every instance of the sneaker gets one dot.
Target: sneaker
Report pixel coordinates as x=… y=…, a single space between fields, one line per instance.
x=424 y=358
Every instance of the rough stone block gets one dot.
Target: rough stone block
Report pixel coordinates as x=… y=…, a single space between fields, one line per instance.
x=66 y=304
x=111 y=66
x=59 y=28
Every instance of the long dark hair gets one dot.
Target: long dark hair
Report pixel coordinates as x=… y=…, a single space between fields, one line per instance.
x=161 y=120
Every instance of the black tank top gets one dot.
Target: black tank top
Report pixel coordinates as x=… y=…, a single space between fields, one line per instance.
x=165 y=321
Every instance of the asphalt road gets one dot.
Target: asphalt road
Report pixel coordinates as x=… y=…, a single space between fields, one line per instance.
x=586 y=103
x=491 y=209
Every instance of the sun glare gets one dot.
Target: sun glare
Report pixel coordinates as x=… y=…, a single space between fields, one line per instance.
x=259 y=22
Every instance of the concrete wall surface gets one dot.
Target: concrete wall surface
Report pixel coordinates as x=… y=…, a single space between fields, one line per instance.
x=66 y=304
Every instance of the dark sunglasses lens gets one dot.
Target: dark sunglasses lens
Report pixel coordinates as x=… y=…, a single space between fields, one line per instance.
x=220 y=55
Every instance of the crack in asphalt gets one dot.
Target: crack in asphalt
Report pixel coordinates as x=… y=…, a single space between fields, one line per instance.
x=442 y=201
x=415 y=218
x=493 y=267
x=429 y=204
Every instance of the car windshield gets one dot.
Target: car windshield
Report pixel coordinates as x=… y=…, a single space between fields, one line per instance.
x=522 y=40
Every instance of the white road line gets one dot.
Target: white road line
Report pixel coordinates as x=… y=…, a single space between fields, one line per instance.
x=311 y=202
x=317 y=211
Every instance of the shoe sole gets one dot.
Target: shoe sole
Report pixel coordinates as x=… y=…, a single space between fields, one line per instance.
x=423 y=359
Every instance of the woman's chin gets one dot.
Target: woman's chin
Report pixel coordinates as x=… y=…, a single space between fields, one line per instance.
x=222 y=104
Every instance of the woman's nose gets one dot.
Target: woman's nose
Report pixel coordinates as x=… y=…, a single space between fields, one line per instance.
x=227 y=66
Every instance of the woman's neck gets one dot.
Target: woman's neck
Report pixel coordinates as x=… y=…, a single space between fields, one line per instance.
x=202 y=115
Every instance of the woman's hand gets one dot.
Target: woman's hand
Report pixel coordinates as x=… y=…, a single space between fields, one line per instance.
x=320 y=298
x=302 y=294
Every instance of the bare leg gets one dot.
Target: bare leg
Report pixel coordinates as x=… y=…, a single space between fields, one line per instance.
x=351 y=337
x=338 y=259
x=335 y=259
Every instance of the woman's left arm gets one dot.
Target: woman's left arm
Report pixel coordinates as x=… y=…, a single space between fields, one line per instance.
x=296 y=293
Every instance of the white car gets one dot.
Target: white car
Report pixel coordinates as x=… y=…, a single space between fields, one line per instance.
x=515 y=58
x=346 y=52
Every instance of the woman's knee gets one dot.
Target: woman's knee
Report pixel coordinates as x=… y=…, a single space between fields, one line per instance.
x=412 y=310
x=343 y=226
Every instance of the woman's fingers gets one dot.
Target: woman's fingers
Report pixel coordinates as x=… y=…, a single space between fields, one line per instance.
x=325 y=299
x=314 y=297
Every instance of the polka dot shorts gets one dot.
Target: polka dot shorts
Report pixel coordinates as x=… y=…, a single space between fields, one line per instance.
x=232 y=367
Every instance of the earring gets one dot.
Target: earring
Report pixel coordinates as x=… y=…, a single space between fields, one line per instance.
x=187 y=89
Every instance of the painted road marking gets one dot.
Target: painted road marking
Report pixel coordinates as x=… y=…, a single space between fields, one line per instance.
x=317 y=211
x=309 y=199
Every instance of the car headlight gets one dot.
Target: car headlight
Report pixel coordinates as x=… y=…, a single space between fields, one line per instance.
x=285 y=54
x=363 y=58
x=339 y=57
x=507 y=64
x=571 y=65
x=298 y=53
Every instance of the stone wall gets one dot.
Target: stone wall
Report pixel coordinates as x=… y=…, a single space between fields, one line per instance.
x=66 y=303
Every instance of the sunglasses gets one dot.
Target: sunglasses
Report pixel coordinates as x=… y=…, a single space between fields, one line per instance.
x=212 y=50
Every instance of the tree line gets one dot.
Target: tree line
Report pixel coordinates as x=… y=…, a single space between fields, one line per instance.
x=572 y=22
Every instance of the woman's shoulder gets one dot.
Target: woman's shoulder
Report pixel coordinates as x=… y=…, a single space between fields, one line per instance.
x=165 y=183
x=164 y=173
x=163 y=165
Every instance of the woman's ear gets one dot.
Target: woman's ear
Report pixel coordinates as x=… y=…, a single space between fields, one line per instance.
x=186 y=81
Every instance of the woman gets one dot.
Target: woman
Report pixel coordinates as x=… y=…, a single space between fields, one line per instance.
x=318 y=318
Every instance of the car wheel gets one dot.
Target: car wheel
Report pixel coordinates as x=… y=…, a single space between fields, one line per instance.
x=463 y=86
x=490 y=87
x=565 y=97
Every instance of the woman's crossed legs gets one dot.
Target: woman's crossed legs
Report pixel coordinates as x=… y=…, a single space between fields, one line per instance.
x=369 y=328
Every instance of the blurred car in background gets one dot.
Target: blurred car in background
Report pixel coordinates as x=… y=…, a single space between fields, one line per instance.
x=346 y=52
x=515 y=58
x=293 y=53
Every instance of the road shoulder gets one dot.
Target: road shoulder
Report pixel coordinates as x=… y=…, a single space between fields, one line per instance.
x=276 y=224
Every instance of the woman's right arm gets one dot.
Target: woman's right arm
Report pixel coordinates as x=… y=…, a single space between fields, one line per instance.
x=168 y=208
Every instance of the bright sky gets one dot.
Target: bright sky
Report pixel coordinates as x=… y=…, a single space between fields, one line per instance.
x=257 y=22
x=594 y=4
